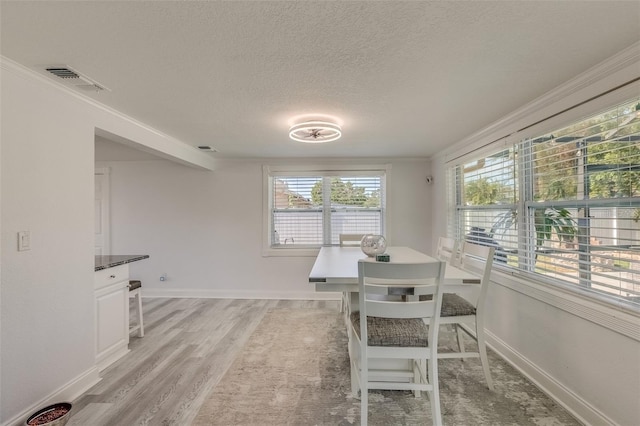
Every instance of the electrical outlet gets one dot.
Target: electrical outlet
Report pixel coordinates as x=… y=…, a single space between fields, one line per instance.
x=24 y=240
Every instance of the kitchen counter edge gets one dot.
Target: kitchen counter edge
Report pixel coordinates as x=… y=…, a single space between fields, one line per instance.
x=109 y=261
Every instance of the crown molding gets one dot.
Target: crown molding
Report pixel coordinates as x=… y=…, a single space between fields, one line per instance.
x=619 y=69
x=189 y=156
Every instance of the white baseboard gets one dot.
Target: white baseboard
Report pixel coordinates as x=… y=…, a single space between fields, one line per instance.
x=66 y=393
x=577 y=406
x=239 y=294
x=105 y=361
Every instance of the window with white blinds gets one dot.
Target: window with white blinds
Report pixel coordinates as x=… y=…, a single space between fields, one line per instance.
x=312 y=209
x=564 y=205
x=486 y=202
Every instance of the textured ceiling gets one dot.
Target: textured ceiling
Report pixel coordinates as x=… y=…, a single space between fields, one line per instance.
x=406 y=78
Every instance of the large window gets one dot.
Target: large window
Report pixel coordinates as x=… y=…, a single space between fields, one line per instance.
x=564 y=206
x=309 y=209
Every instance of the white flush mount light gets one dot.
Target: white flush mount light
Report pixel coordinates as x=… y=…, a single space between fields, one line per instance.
x=315 y=131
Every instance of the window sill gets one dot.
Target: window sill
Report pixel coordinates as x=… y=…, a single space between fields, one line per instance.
x=290 y=252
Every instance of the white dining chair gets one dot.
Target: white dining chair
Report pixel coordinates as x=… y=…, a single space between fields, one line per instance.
x=447 y=250
x=348 y=240
x=397 y=328
x=466 y=309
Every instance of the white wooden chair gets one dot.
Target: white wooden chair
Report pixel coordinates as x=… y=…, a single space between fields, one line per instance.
x=393 y=329
x=447 y=250
x=348 y=240
x=466 y=309
x=134 y=293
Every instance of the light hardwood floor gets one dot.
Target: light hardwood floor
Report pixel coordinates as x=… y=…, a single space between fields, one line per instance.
x=188 y=346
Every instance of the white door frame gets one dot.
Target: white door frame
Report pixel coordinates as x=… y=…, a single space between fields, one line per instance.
x=104 y=240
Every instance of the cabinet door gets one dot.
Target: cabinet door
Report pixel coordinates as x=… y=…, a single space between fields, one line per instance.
x=112 y=320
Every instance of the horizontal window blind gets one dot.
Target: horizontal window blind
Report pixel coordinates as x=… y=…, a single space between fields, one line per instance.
x=356 y=206
x=297 y=210
x=584 y=199
x=565 y=205
x=311 y=211
x=486 y=207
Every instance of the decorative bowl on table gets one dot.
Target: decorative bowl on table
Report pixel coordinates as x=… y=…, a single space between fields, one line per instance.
x=373 y=245
x=52 y=415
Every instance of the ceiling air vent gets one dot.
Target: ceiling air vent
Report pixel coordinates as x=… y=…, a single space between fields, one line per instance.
x=63 y=72
x=75 y=79
x=207 y=148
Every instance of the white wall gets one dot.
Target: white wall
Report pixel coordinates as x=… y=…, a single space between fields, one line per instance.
x=47 y=302
x=586 y=354
x=204 y=229
x=47 y=295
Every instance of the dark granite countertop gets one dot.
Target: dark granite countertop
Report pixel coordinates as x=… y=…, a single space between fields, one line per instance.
x=104 y=262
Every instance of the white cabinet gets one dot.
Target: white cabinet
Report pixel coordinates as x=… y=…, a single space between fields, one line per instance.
x=112 y=314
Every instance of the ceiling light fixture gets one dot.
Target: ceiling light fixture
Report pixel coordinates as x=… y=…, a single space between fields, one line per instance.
x=315 y=131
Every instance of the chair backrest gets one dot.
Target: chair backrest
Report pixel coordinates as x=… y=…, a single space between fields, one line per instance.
x=350 y=239
x=410 y=280
x=448 y=250
x=478 y=259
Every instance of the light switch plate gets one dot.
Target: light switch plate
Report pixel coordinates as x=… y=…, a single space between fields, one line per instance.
x=24 y=240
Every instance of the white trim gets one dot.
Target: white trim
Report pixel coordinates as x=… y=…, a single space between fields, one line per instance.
x=577 y=406
x=618 y=69
x=162 y=144
x=106 y=207
x=592 y=107
x=67 y=392
x=266 y=228
x=10 y=65
x=326 y=167
x=320 y=169
x=106 y=360
x=240 y=294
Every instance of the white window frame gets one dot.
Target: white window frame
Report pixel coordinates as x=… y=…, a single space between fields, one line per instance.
x=523 y=273
x=268 y=171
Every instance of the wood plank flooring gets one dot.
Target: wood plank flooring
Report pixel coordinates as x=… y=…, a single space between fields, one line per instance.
x=188 y=346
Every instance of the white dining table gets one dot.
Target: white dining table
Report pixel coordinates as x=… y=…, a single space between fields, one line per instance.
x=336 y=268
